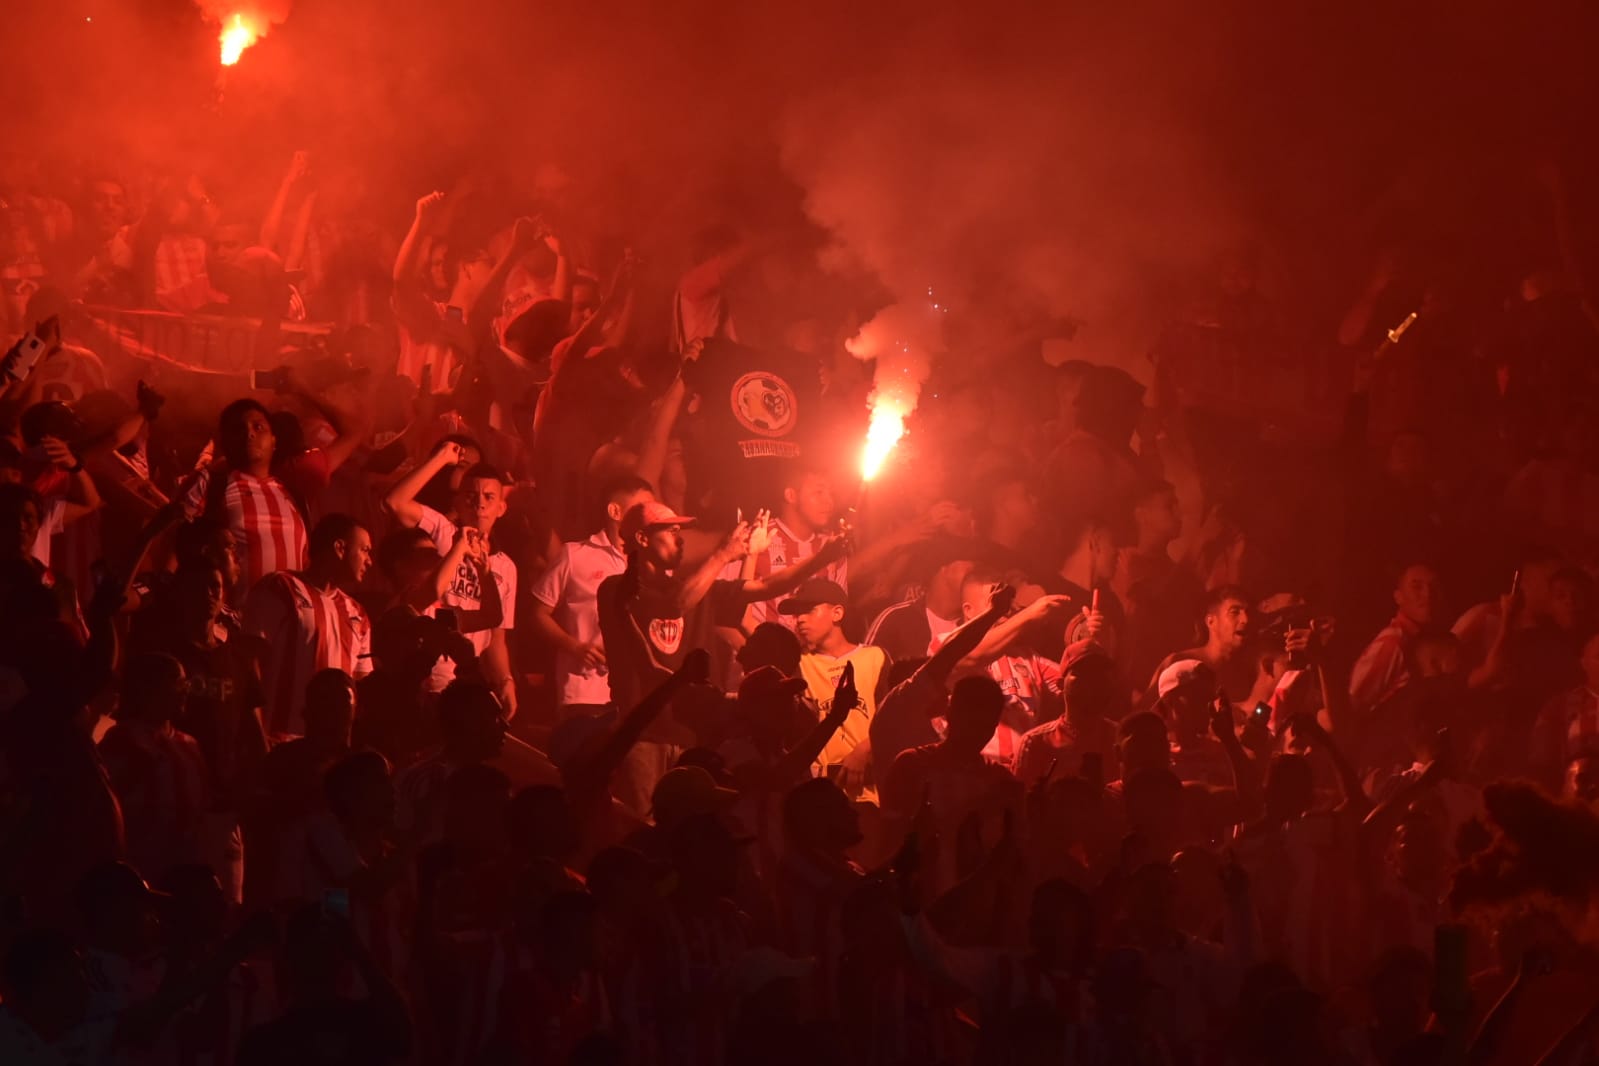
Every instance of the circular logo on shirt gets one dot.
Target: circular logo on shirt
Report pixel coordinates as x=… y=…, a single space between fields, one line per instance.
x=764 y=403
x=666 y=634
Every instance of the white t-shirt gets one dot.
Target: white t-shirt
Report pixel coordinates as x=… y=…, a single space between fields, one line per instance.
x=568 y=589
x=465 y=592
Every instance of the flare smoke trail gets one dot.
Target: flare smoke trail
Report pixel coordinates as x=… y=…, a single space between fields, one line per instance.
x=241 y=23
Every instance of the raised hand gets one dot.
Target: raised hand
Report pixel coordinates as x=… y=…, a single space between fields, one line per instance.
x=738 y=541
x=58 y=453
x=427 y=208
x=834 y=547
x=845 y=697
x=761 y=531
x=1093 y=622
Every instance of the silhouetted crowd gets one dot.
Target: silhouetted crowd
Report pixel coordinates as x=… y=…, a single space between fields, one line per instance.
x=510 y=664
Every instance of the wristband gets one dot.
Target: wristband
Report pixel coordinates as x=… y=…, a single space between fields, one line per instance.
x=76 y=467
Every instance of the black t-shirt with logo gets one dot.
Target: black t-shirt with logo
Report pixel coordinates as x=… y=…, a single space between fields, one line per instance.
x=647 y=636
x=756 y=409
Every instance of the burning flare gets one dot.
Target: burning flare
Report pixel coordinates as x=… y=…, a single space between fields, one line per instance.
x=900 y=340
x=886 y=428
x=237 y=35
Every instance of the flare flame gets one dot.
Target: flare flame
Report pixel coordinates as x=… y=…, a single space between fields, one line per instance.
x=237 y=35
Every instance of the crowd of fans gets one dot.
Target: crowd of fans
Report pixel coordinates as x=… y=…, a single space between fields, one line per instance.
x=525 y=673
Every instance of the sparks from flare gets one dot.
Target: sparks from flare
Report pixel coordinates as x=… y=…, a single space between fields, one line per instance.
x=236 y=36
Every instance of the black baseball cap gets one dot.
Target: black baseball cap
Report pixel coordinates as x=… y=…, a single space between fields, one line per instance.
x=817 y=590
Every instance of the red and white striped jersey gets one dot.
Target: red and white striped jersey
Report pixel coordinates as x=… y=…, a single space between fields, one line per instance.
x=305 y=629
x=264 y=519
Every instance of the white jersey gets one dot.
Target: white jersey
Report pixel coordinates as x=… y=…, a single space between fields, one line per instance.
x=568 y=589
x=465 y=592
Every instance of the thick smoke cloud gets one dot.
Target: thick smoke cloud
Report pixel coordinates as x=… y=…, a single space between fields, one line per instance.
x=1051 y=168
x=1021 y=159
x=261 y=12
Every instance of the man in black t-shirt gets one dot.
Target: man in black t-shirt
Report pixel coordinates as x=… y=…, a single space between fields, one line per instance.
x=1091 y=556
x=651 y=617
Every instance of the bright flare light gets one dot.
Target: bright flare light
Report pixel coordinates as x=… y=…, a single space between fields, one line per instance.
x=237 y=35
x=886 y=428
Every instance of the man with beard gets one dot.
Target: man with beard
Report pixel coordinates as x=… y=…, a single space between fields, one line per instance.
x=651 y=617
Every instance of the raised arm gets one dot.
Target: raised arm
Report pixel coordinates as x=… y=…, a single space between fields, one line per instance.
x=796 y=762
x=699 y=583
x=787 y=580
x=593 y=330
x=561 y=285
x=1492 y=669
x=1010 y=630
x=961 y=643
x=272 y=224
x=405 y=263
x=621 y=300
x=525 y=233
x=351 y=428
x=868 y=560
x=401 y=500
x=82 y=496
x=658 y=437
